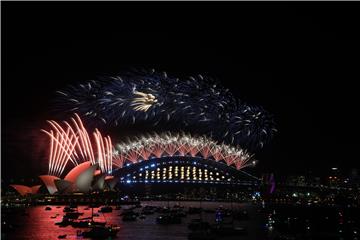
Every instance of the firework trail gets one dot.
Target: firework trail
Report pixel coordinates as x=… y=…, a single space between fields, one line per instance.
x=105 y=151
x=72 y=143
x=195 y=104
x=168 y=145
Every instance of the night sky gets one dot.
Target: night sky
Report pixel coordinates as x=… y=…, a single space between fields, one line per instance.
x=300 y=61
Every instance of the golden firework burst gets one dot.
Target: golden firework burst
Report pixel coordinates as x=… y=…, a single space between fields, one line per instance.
x=142 y=101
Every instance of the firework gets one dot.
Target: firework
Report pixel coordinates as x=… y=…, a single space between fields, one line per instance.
x=105 y=151
x=169 y=145
x=195 y=104
x=143 y=101
x=72 y=143
x=62 y=145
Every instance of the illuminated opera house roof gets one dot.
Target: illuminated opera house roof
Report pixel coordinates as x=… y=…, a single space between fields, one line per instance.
x=82 y=178
x=24 y=190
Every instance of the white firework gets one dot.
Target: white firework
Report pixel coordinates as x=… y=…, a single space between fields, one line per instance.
x=142 y=101
x=168 y=145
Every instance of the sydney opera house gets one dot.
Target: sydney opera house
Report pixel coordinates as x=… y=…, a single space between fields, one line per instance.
x=82 y=178
x=96 y=165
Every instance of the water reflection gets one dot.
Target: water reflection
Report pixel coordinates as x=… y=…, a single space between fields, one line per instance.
x=40 y=223
x=270 y=222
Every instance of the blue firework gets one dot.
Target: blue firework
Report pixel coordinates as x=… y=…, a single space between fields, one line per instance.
x=197 y=104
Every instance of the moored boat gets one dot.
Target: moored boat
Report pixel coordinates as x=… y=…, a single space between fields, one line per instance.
x=99 y=232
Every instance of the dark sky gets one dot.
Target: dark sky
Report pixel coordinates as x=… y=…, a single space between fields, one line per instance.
x=298 y=60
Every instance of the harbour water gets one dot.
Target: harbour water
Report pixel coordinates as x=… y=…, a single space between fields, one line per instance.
x=39 y=223
x=260 y=223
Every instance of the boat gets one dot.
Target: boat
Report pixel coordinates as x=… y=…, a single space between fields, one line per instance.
x=48 y=208
x=228 y=230
x=83 y=224
x=105 y=209
x=130 y=212
x=148 y=210
x=129 y=217
x=64 y=222
x=73 y=215
x=163 y=210
x=178 y=212
x=68 y=209
x=99 y=232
